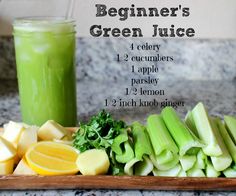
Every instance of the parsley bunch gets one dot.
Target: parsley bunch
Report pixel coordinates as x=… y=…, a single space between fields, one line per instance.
x=98 y=133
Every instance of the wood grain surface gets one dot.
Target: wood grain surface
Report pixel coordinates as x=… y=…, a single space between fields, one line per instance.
x=116 y=182
x=13 y=182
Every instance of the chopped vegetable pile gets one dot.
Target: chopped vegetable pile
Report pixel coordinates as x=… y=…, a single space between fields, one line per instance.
x=199 y=146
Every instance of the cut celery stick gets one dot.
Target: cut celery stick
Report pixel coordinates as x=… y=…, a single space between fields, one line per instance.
x=195 y=172
x=118 y=141
x=142 y=144
x=143 y=168
x=187 y=161
x=223 y=161
x=165 y=166
x=201 y=160
x=227 y=140
x=127 y=155
x=230 y=122
x=230 y=173
x=142 y=149
x=210 y=170
x=182 y=173
x=139 y=167
x=205 y=131
x=187 y=142
x=165 y=157
x=164 y=146
x=115 y=167
x=129 y=167
x=170 y=173
x=122 y=147
x=161 y=140
x=233 y=166
x=190 y=123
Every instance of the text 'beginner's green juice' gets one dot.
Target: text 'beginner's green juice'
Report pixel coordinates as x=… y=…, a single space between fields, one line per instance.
x=45 y=57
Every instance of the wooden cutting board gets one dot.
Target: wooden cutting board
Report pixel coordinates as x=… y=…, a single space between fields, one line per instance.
x=116 y=182
x=12 y=182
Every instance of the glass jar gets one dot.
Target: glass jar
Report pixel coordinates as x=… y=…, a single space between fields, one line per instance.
x=45 y=58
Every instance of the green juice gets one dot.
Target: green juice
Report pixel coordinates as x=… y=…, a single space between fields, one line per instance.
x=45 y=58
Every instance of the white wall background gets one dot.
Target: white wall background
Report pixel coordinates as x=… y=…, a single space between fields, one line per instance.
x=210 y=18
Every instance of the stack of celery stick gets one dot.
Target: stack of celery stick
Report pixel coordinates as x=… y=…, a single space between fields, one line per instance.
x=199 y=146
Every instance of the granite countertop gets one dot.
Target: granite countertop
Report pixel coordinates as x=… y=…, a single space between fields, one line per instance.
x=218 y=96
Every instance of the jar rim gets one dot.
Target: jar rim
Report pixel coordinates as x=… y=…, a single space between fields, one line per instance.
x=56 y=25
x=42 y=20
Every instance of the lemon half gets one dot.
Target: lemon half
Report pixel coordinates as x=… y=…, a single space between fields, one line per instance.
x=52 y=158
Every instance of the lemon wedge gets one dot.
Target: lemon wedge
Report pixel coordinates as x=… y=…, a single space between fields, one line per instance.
x=52 y=158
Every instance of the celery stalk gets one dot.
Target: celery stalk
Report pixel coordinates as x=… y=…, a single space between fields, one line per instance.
x=182 y=173
x=233 y=166
x=190 y=123
x=227 y=139
x=122 y=147
x=187 y=161
x=187 y=142
x=231 y=125
x=201 y=160
x=223 y=161
x=205 y=131
x=160 y=137
x=195 y=172
x=142 y=145
x=116 y=168
x=167 y=165
x=164 y=146
x=140 y=164
x=127 y=155
x=129 y=167
x=210 y=170
x=173 y=172
x=139 y=167
x=230 y=173
x=143 y=168
x=165 y=157
x=118 y=141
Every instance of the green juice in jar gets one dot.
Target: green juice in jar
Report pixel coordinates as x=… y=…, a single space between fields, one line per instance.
x=45 y=58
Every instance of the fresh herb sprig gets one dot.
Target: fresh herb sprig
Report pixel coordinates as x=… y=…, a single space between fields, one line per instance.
x=98 y=133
